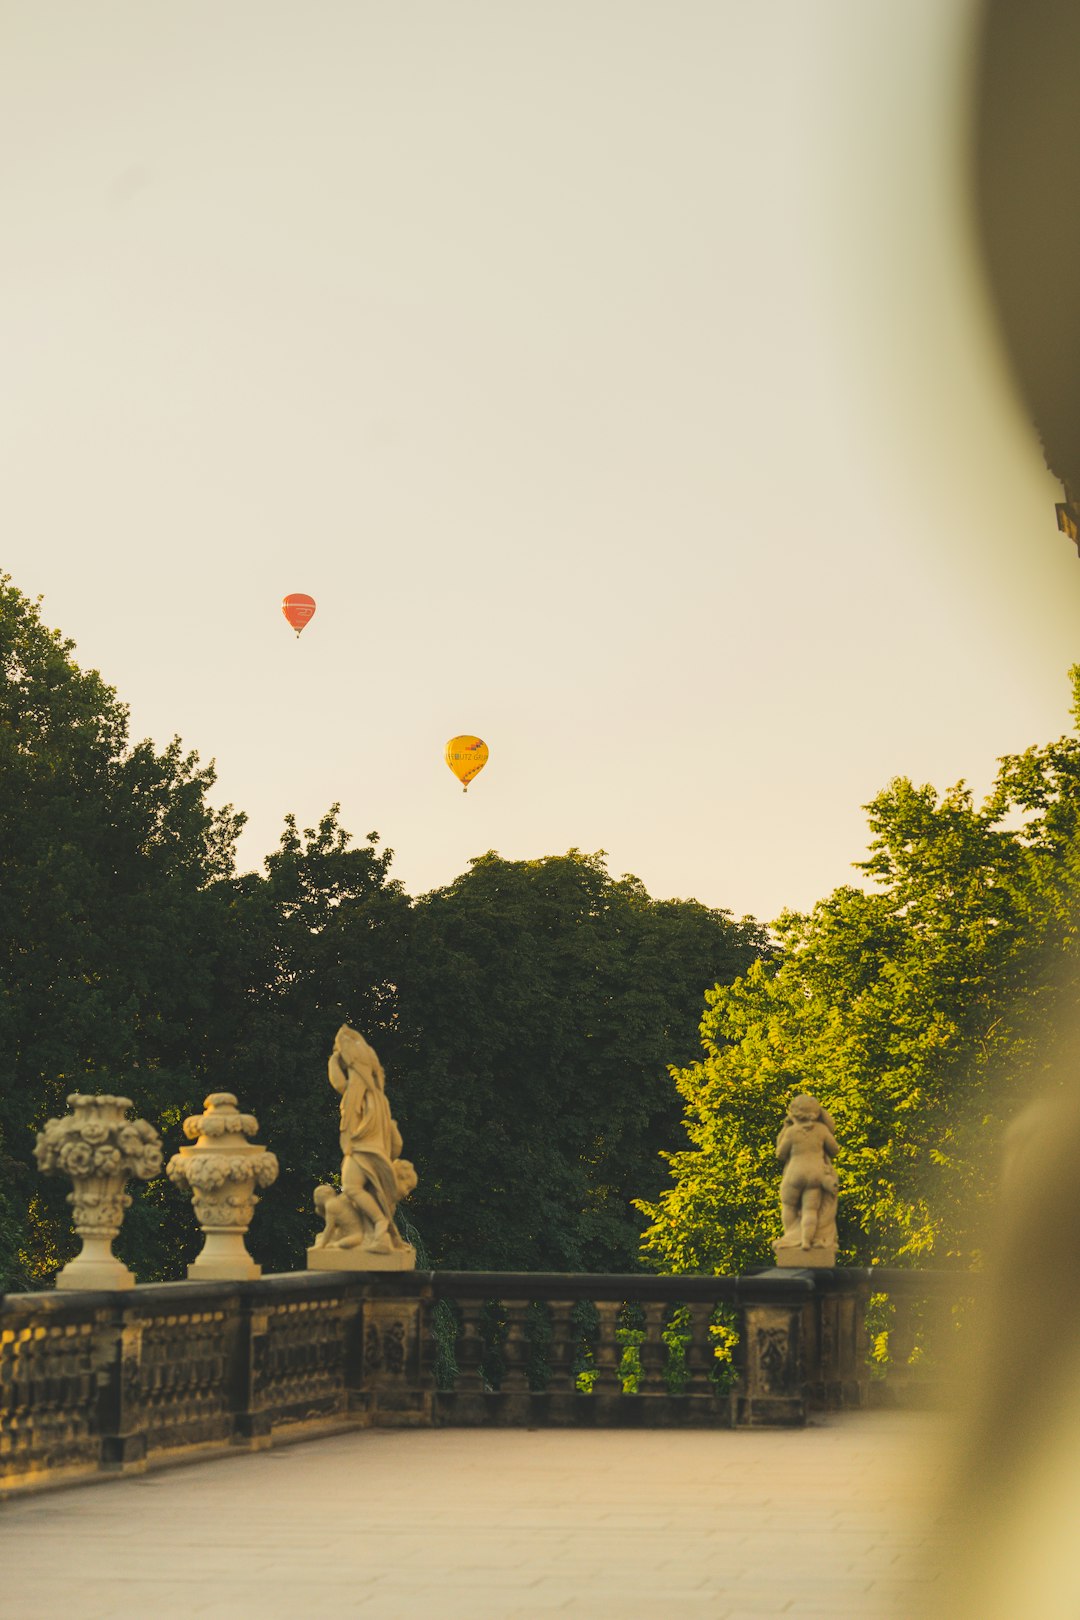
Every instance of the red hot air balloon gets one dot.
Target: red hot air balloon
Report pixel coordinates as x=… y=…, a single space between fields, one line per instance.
x=298 y=609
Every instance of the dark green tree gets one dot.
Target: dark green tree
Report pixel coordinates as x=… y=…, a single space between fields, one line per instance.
x=538 y=1003
x=109 y=860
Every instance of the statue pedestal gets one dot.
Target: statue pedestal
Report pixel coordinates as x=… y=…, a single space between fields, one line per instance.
x=95 y=1267
x=330 y=1259
x=223 y=1257
x=807 y=1259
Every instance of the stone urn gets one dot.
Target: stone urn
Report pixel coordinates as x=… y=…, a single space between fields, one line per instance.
x=100 y=1149
x=221 y=1172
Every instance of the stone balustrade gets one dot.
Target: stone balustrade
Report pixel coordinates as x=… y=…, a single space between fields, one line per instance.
x=106 y=1375
x=104 y=1381
x=754 y=1350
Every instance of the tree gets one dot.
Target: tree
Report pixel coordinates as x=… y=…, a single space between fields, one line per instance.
x=109 y=857
x=915 y=1012
x=537 y=1001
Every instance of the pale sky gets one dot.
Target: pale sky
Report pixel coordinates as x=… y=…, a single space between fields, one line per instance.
x=615 y=375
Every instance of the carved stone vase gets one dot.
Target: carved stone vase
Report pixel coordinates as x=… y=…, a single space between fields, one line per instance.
x=221 y=1172
x=100 y=1149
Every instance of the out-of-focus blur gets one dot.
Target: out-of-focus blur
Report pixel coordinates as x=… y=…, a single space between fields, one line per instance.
x=1027 y=170
x=1013 y=1488
x=1012 y=1493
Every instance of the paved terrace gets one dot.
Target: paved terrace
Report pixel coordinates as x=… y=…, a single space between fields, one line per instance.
x=468 y=1524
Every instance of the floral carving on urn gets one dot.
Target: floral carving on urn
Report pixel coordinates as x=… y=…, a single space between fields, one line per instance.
x=100 y=1149
x=221 y=1172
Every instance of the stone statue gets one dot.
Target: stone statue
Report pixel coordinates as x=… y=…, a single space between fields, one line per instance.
x=359 y=1231
x=806 y=1148
x=344 y=1228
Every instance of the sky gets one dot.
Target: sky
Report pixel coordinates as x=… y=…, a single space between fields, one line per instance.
x=618 y=377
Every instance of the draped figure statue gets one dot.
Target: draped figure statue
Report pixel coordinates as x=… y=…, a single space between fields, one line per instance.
x=360 y=1232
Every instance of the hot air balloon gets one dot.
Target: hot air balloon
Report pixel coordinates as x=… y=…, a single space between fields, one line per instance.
x=298 y=609
x=465 y=757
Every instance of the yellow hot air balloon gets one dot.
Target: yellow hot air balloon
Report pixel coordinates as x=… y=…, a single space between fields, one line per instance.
x=465 y=757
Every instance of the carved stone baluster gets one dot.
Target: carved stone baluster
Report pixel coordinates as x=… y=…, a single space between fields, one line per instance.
x=901 y=1343
x=427 y=1348
x=608 y=1349
x=564 y=1348
x=654 y=1352
x=699 y=1351
x=860 y=1343
x=539 y=1332
x=823 y=1381
x=470 y=1350
x=515 y=1379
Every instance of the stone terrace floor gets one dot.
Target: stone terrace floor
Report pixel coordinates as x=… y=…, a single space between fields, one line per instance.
x=460 y=1524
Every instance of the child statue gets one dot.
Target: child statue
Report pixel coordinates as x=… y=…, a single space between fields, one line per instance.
x=806 y=1148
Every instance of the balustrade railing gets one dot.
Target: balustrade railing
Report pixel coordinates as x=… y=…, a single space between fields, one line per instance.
x=93 y=1381
x=539 y=1348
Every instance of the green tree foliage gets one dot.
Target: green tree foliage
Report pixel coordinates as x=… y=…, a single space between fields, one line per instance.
x=109 y=859
x=538 y=1001
x=918 y=1014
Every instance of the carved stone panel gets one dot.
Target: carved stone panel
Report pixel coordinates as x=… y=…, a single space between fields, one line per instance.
x=176 y=1388
x=773 y=1346
x=773 y=1350
x=391 y=1341
x=48 y=1414
x=298 y=1360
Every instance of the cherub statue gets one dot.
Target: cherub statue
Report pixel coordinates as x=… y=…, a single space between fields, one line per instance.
x=806 y=1147
x=344 y=1229
x=404 y=1177
x=374 y=1176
